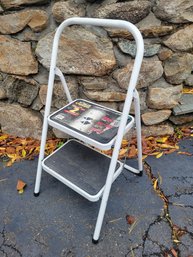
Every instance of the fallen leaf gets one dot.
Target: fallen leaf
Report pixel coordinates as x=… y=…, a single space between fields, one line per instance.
x=155 y=184
x=20 y=191
x=144 y=157
x=132 y=151
x=23 y=153
x=20 y=185
x=167 y=255
x=154 y=154
x=185 y=153
x=147 y=151
x=17 y=148
x=187 y=90
x=124 y=143
x=122 y=152
x=167 y=146
x=178 y=232
x=9 y=163
x=173 y=251
x=10 y=150
x=159 y=155
x=176 y=241
x=162 y=139
x=130 y=219
x=132 y=227
x=186 y=130
x=169 y=151
x=107 y=152
x=150 y=138
x=3 y=137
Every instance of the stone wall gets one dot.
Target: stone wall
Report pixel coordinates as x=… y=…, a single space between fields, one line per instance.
x=97 y=61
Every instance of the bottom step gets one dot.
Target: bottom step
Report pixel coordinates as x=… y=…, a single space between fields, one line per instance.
x=81 y=168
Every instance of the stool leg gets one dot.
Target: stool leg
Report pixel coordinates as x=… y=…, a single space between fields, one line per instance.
x=103 y=205
x=107 y=189
x=45 y=123
x=138 y=130
x=41 y=157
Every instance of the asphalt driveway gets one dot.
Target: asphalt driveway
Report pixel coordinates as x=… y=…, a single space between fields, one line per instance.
x=60 y=223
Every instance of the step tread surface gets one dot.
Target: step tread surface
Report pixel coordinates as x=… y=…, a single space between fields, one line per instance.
x=91 y=120
x=81 y=165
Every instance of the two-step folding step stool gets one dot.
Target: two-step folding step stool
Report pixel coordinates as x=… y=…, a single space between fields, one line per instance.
x=77 y=164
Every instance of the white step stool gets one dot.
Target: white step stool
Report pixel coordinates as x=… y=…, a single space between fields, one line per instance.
x=76 y=164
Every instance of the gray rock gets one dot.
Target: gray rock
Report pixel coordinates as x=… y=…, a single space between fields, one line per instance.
x=178 y=67
x=189 y=80
x=60 y=134
x=158 y=130
x=185 y=105
x=37 y=104
x=181 y=40
x=1 y=9
x=59 y=97
x=132 y=11
x=52 y=110
x=16 y=57
x=164 y=53
x=161 y=83
x=122 y=59
x=91 y=1
x=80 y=1
x=164 y=98
x=80 y=52
x=110 y=96
x=153 y=118
x=20 y=89
x=64 y=10
x=130 y=48
x=151 y=70
x=27 y=35
x=94 y=83
x=152 y=32
x=181 y=119
x=2 y=93
x=10 y=4
x=148 y=22
x=42 y=76
x=19 y=121
x=143 y=106
x=176 y=11
x=2 y=76
x=111 y=105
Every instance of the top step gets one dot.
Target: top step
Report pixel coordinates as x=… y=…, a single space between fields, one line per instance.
x=89 y=122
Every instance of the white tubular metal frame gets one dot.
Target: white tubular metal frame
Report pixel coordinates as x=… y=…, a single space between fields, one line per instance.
x=131 y=93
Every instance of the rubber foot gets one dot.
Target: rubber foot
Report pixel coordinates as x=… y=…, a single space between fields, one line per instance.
x=36 y=194
x=95 y=241
x=140 y=174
